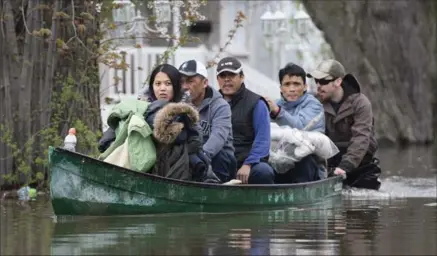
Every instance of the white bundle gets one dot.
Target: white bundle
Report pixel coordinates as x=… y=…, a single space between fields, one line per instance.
x=290 y=145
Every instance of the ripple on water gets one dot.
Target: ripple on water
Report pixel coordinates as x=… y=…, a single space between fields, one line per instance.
x=431 y=204
x=398 y=187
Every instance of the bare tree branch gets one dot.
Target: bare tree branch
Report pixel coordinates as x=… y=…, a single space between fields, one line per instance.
x=24 y=18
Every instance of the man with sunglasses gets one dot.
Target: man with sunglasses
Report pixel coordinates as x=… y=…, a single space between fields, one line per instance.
x=215 y=119
x=250 y=124
x=349 y=124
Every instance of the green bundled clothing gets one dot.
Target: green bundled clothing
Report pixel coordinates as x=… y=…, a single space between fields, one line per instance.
x=133 y=136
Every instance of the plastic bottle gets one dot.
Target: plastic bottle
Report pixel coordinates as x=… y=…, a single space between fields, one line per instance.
x=23 y=193
x=70 y=140
x=186 y=97
x=26 y=193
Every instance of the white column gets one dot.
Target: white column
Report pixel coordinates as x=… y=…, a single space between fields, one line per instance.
x=228 y=12
x=224 y=20
x=176 y=23
x=275 y=50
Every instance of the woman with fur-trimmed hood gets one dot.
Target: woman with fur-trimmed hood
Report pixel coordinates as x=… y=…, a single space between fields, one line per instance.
x=164 y=86
x=175 y=129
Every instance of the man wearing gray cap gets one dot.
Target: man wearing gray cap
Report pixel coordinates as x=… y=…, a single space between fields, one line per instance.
x=349 y=124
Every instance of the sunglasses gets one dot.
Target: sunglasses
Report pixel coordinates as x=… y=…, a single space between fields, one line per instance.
x=324 y=81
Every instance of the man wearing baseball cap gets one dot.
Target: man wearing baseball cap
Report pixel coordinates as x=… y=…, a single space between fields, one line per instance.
x=349 y=124
x=215 y=119
x=250 y=124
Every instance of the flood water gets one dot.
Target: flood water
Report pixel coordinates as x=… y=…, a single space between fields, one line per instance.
x=400 y=219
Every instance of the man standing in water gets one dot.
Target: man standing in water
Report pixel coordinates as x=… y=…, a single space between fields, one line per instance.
x=349 y=124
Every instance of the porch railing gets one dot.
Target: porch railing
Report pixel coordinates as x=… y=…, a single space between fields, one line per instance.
x=117 y=84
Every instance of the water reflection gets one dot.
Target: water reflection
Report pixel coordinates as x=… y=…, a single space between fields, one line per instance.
x=351 y=227
x=399 y=219
x=434 y=162
x=279 y=232
x=355 y=227
x=25 y=229
x=410 y=162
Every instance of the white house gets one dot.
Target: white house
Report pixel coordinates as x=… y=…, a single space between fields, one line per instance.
x=261 y=51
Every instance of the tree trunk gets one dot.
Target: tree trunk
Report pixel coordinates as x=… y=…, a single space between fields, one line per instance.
x=36 y=69
x=390 y=46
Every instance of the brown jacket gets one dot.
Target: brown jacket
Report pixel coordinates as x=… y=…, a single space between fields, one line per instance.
x=351 y=127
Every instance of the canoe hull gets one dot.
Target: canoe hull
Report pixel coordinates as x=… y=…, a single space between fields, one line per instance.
x=80 y=185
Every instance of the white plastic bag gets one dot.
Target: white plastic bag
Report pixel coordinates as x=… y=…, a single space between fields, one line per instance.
x=324 y=147
x=290 y=145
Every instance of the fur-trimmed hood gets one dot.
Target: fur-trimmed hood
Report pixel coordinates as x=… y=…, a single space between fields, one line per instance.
x=171 y=119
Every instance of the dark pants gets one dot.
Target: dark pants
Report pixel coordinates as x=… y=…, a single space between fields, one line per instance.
x=366 y=175
x=305 y=170
x=224 y=165
x=261 y=173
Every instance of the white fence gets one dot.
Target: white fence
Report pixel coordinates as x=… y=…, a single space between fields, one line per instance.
x=117 y=84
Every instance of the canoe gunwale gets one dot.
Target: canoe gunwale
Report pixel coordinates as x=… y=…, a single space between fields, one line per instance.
x=149 y=176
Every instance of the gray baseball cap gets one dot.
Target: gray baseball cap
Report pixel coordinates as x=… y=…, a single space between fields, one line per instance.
x=328 y=69
x=229 y=64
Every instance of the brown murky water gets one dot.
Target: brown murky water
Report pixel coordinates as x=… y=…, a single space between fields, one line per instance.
x=401 y=219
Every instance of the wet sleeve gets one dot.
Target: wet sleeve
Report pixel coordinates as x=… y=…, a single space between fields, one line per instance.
x=361 y=136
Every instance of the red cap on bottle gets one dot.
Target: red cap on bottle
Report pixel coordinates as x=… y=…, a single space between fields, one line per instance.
x=72 y=131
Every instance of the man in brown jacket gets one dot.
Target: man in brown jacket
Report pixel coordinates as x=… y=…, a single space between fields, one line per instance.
x=349 y=124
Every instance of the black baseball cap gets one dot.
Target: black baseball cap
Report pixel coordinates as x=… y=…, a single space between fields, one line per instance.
x=229 y=64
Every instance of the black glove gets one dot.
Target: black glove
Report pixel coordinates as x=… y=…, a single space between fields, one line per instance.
x=183 y=118
x=204 y=157
x=189 y=130
x=106 y=140
x=198 y=167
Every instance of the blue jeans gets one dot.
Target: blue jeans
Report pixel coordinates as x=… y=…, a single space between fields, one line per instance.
x=305 y=170
x=261 y=173
x=224 y=165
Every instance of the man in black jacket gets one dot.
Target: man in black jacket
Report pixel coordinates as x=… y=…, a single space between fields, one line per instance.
x=250 y=124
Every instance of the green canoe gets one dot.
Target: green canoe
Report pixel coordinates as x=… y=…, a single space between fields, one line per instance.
x=81 y=185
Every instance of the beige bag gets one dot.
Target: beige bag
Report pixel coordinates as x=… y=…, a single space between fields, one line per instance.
x=120 y=156
x=233 y=182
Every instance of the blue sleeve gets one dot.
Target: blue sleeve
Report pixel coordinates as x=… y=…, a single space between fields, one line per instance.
x=261 y=125
x=303 y=117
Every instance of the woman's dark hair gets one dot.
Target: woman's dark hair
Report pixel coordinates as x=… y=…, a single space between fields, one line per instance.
x=292 y=69
x=175 y=78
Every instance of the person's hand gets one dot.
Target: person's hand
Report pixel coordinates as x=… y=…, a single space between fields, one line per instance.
x=340 y=172
x=243 y=173
x=272 y=105
x=204 y=157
